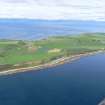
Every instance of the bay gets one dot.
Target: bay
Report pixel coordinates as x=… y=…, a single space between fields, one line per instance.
x=81 y=82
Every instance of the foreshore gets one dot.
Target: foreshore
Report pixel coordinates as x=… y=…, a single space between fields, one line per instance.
x=50 y=64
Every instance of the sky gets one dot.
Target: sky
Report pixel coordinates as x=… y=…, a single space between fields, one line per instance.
x=53 y=9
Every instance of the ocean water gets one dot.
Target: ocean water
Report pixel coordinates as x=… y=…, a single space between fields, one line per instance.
x=81 y=82
x=36 y=29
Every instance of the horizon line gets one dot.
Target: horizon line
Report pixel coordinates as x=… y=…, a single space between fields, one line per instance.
x=95 y=20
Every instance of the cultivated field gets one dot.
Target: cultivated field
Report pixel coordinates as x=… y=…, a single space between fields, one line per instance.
x=20 y=53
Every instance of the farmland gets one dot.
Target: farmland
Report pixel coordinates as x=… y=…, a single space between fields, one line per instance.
x=23 y=53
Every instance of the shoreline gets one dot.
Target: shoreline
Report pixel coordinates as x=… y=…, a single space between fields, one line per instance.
x=53 y=63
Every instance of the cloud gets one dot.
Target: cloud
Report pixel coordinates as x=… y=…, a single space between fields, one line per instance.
x=53 y=9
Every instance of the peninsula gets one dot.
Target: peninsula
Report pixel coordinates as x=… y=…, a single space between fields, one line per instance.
x=23 y=55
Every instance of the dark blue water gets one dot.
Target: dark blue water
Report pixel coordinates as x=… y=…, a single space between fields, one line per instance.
x=79 y=83
x=35 y=29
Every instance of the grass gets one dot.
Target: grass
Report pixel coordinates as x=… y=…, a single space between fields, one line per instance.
x=20 y=52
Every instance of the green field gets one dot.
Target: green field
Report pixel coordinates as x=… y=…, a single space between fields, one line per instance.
x=27 y=53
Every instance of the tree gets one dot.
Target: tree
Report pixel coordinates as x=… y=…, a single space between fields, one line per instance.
x=22 y=43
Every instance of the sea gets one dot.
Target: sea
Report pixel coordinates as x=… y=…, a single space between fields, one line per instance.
x=81 y=82
x=28 y=29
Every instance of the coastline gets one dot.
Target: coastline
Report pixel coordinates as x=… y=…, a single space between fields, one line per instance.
x=53 y=63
